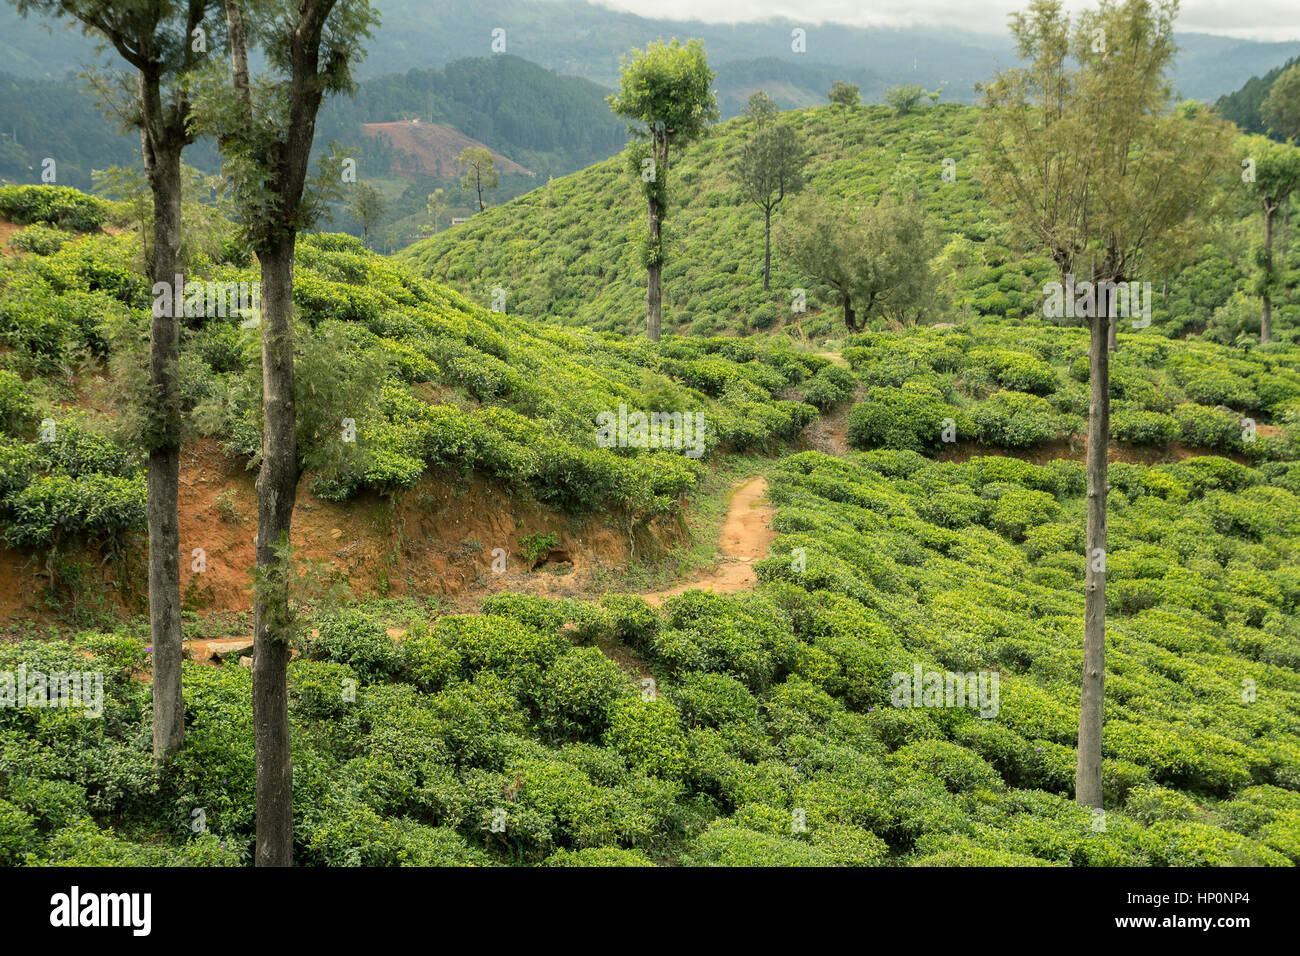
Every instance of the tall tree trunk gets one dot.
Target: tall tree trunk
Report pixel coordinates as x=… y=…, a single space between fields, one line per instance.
x=654 y=292
x=767 y=247
x=163 y=168
x=277 y=484
x=850 y=318
x=1087 y=781
x=1266 y=316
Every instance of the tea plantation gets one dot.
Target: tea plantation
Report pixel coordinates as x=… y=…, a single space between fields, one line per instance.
x=755 y=728
x=767 y=734
x=569 y=250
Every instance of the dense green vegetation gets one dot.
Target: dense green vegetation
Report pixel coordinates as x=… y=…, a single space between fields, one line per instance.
x=568 y=250
x=429 y=380
x=768 y=731
x=1243 y=106
x=769 y=736
x=1025 y=385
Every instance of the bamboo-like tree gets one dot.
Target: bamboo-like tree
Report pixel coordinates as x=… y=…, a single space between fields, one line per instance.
x=1272 y=175
x=265 y=132
x=769 y=166
x=164 y=43
x=480 y=171
x=664 y=94
x=1086 y=149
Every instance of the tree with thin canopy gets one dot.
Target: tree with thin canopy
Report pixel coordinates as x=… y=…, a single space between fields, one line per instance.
x=480 y=171
x=1086 y=149
x=1272 y=175
x=769 y=166
x=368 y=207
x=844 y=96
x=265 y=131
x=665 y=96
x=164 y=43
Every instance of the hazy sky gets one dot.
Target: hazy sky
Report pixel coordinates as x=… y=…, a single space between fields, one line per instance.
x=1253 y=19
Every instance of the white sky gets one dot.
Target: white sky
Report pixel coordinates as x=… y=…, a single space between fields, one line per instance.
x=1249 y=19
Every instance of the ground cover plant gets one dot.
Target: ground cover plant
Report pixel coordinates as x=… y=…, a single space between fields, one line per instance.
x=767 y=735
x=840 y=528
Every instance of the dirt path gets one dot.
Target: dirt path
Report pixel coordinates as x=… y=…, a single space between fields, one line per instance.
x=745 y=538
x=835 y=358
x=746 y=535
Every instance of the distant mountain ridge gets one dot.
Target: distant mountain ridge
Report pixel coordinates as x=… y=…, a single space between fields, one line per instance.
x=577 y=38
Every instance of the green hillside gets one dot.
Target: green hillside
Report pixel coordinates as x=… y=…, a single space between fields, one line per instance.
x=1242 y=106
x=520 y=407
x=568 y=251
x=761 y=727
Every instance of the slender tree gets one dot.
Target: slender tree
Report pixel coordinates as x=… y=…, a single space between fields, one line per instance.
x=164 y=42
x=265 y=133
x=1086 y=149
x=666 y=99
x=769 y=167
x=480 y=171
x=844 y=96
x=434 y=207
x=1272 y=175
x=368 y=208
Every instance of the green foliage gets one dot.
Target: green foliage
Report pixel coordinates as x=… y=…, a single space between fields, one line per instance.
x=53 y=508
x=877 y=258
x=39 y=239
x=56 y=205
x=911 y=418
x=1015 y=420
x=647 y=734
x=353 y=639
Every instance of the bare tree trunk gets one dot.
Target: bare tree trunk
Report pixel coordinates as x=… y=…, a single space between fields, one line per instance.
x=163 y=168
x=850 y=317
x=277 y=484
x=654 y=292
x=1112 y=322
x=1087 y=783
x=1266 y=316
x=767 y=248
x=238 y=28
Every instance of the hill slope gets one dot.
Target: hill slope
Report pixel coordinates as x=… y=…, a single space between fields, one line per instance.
x=769 y=726
x=568 y=250
x=431 y=149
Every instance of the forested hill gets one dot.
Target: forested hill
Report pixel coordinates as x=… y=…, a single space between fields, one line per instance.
x=569 y=250
x=1243 y=105
x=549 y=123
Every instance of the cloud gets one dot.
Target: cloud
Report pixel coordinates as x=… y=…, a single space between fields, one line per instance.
x=1255 y=20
